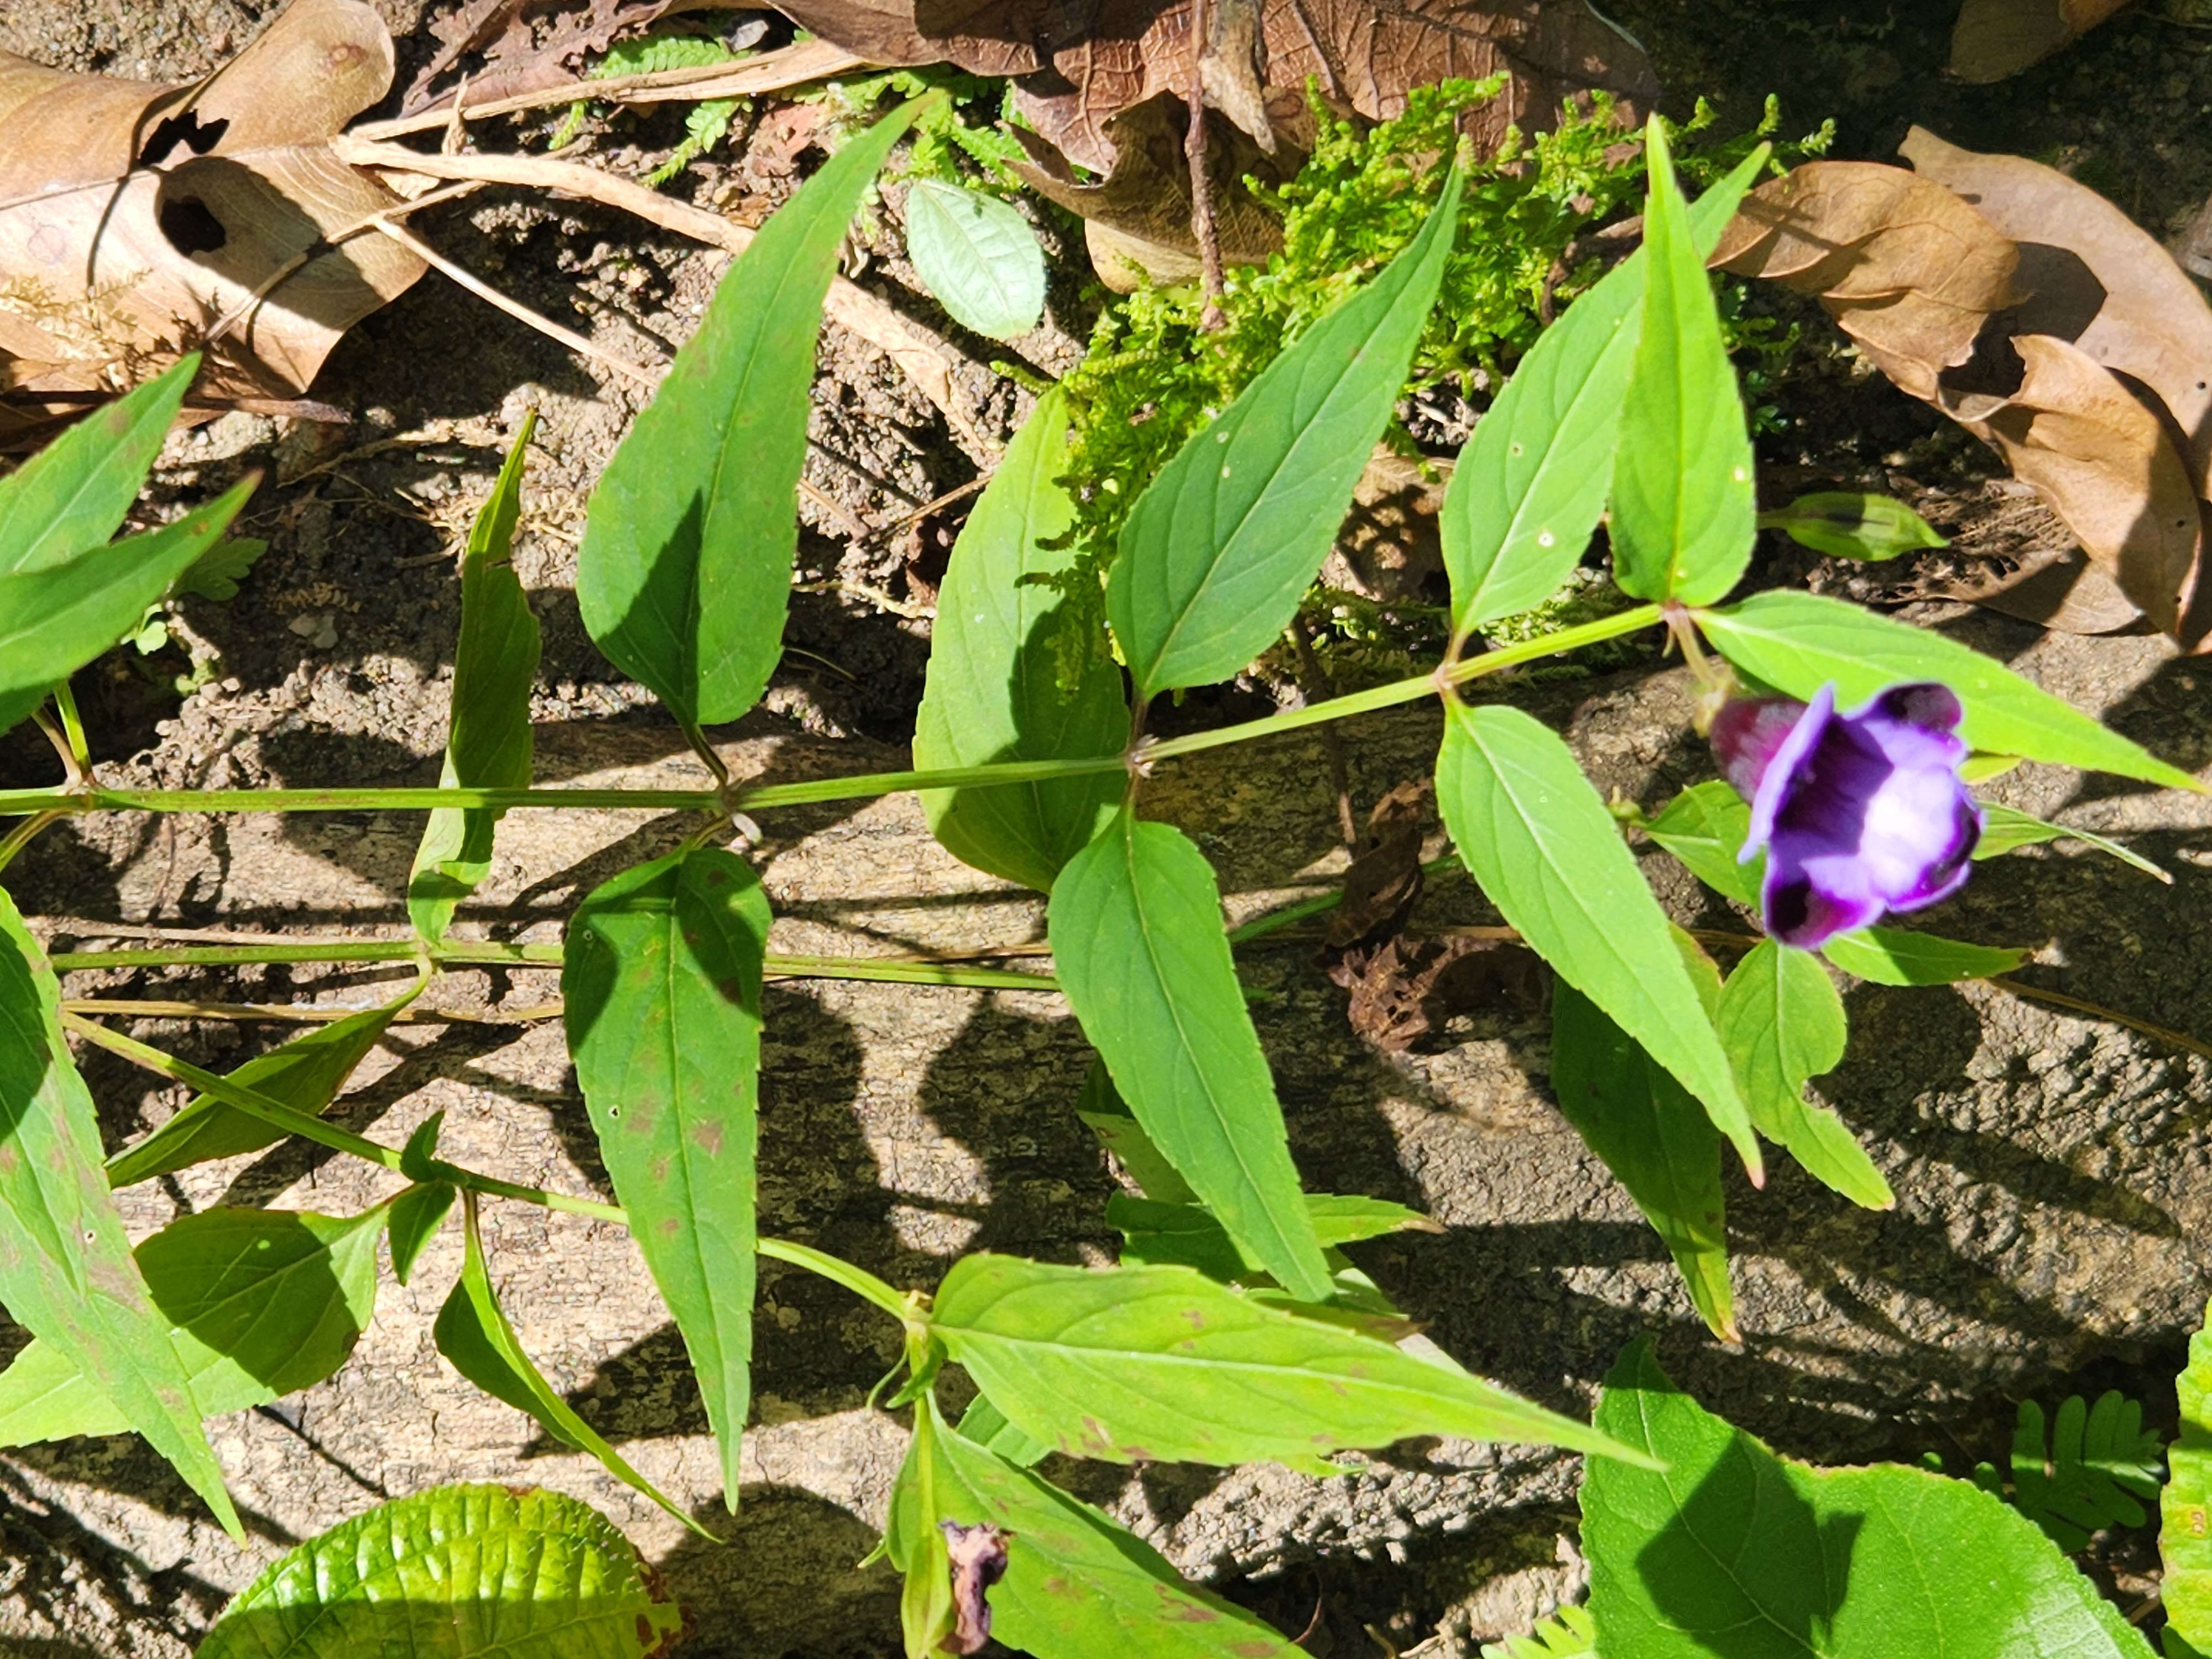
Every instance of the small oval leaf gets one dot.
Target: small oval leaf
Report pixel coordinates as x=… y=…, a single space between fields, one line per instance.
x=979 y=256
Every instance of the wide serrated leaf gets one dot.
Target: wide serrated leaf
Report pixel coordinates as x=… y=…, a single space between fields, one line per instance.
x=1220 y=547
x=1684 y=516
x=263 y=1302
x=1783 y=1024
x=2184 y=1538
x=1078 y=1585
x=456 y=1572
x=489 y=744
x=1163 y=1364
x=997 y=653
x=1532 y=482
x=73 y=494
x=474 y=1335
x=662 y=992
x=1705 y=826
x=1136 y=941
x=978 y=256
x=307 y=1074
x=66 y=1272
x=1890 y=956
x=1797 y=642
x=1655 y=1138
x=685 y=573
x=55 y=618
x=1537 y=838
x=1735 y=1552
x=2005 y=828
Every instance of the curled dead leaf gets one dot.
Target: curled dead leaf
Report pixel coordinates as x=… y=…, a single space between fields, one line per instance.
x=978 y=1558
x=1995 y=38
x=135 y=217
x=1384 y=880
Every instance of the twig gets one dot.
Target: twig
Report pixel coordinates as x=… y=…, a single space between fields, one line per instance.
x=277 y=1013
x=2180 y=1039
x=1202 y=225
x=772 y=71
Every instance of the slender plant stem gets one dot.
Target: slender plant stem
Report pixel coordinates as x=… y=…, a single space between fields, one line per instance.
x=862 y=1283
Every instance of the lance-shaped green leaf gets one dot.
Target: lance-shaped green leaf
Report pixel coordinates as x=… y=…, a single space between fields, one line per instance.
x=685 y=573
x=1734 y=1550
x=1548 y=855
x=979 y=256
x=1077 y=1585
x=2184 y=1538
x=1797 y=642
x=1106 y=1115
x=489 y=744
x=66 y=1272
x=306 y=1072
x=1136 y=941
x=416 y=1215
x=456 y=1572
x=662 y=992
x=1531 y=484
x=73 y=495
x=1154 y=1233
x=1845 y=524
x=996 y=653
x=1684 y=516
x=2006 y=828
x=1890 y=956
x=1783 y=1024
x=1705 y=826
x=1222 y=544
x=55 y=618
x=263 y=1302
x=1655 y=1138
x=473 y=1334
x=1163 y=1364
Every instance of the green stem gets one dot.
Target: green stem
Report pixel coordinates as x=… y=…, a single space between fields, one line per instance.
x=864 y=787
x=859 y=1280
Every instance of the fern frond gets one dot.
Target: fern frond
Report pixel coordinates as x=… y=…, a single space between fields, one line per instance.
x=2093 y=1470
x=1569 y=1633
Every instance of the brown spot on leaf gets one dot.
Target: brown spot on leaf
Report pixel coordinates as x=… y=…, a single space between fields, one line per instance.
x=709 y=1137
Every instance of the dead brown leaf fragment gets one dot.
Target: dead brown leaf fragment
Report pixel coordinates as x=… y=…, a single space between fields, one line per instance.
x=1996 y=38
x=135 y=218
x=978 y=1557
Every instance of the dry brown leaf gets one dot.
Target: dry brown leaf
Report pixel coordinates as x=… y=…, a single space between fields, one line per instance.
x=1407 y=987
x=1995 y=38
x=134 y=216
x=2094 y=277
x=515 y=60
x=1080 y=68
x=2057 y=589
x=1906 y=268
x=1385 y=879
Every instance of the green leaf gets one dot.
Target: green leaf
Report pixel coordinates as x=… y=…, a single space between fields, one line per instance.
x=1156 y=1233
x=993 y=691
x=456 y=1572
x=1735 y=1552
x=416 y=1215
x=1783 y=1024
x=2184 y=1539
x=978 y=256
x=1655 y=1138
x=55 y=618
x=473 y=1334
x=1532 y=482
x=307 y=1074
x=1684 y=512
x=1889 y=955
x=1108 y=1116
x=2086 y=1473
x=1078 y=1586
x=986 y=1425
x=1797 y=642
x=1137 y=939
x=263 y=1302
x=1220 y=547
x=1542 y=844
x=66 y=1272
x=1706 y=827
x=489 y=744
x=1845 y=524
x=1163 y=1364
x=1569 y=1633
x=73 y=495
x=217 y=574
x=2005 y=828
x=685 y=573
x=662 y=988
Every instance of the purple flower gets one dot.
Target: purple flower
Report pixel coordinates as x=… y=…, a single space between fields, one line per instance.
x=1857 y=813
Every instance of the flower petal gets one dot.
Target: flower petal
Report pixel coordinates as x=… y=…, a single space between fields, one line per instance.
x=1779 y=781
x=1813 y=893
x=1747 y=732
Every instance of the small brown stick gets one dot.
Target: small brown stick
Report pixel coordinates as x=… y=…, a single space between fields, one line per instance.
x=1314 y=681
x=285 y=1014
x=1202 y=225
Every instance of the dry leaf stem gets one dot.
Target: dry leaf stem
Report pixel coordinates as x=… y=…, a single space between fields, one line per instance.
x=1203 y=227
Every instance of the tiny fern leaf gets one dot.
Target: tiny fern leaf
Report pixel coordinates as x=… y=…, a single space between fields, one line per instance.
x=1569 y=1633
x=2093 y=1468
